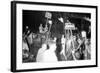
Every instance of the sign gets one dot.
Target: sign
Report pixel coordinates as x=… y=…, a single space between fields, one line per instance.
x=69 y=26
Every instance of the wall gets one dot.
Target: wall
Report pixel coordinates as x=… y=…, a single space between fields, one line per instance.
x=5 y=36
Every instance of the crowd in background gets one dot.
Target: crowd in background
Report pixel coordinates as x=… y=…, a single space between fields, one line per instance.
x=37 y=48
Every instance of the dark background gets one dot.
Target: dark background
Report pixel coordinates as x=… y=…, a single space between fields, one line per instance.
x=33 y=19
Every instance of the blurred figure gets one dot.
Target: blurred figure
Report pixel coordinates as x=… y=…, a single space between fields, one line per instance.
x=39 y=57
x=69 y=48
x=24 y=45
x=58 y=49
x=25 y=50
x=40 y=28
x=87 y=49
x=49 y=55
x=30 y=38
x=63 y=41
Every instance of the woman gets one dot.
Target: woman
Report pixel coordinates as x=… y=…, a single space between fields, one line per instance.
x=40 y=53
x=47 y=55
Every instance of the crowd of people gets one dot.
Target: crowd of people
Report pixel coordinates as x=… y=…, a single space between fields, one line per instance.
x=38 y=48
x=56 y=40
